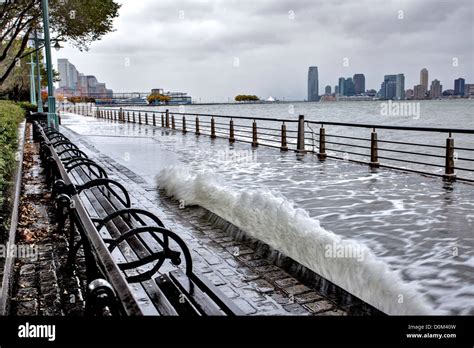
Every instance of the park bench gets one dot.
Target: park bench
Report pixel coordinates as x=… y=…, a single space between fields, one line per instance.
x=133 y=262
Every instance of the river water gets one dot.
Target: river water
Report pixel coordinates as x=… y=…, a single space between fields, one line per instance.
x=421 y=227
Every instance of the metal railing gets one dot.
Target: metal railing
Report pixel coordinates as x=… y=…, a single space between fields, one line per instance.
x=374 y=145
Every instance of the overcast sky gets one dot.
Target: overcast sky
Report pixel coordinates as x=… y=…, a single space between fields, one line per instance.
x=216 y=49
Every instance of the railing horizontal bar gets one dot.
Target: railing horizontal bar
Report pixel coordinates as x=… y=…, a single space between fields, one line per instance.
x=236 y=117
x=463 y=149
x=349 y=152
x=466 y=159
x=346 y=137
x=411 y=153
x=421 y=129
x=464 y=169
x=414 y=144
x=414 y=162
x=359 y=146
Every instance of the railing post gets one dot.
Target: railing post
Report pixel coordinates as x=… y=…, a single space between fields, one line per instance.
x=128 y=116
x=231 y=132
x=184 y=124
x=121 y=115
x=449 y=166
x=146 y=118
x=197 y=126
x=154 y=119
x=300 y=140
x=284 y=145
x=133 y=116
x=213 y=128
x=254 y=134
x=162 y=120
x=167 y=118
x=139 y=118
x=374 y=154
x=172 y=122
x=322 y=143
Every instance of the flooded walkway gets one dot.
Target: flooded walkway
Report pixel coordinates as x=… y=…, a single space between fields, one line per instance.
x=255 y=285
x=420 y=226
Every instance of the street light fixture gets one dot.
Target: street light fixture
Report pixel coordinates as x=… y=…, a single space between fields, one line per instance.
x=57 y=46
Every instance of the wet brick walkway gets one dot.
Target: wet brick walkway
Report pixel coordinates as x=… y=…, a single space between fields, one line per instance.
x=41 y=285
x=255 y=285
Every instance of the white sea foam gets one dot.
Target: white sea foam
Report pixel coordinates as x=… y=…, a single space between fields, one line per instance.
x=271 y=218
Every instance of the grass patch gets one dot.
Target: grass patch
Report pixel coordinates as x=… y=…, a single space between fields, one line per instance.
x=10 y=116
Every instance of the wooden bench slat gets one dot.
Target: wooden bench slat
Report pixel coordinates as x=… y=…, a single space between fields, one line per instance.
x=196 y=295
x=179 y=301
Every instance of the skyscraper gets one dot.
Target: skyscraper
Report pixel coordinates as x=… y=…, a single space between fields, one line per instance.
x=388 y=89
x=359 y=82
x=400 y=87
x=436 y=89
x=68 y=74
x=327 y=90
x=424 y=78
x=341 y=85
x=418 y=92
x=459 y=86
x=349 y=88
x=313 y=84
x=336 y=90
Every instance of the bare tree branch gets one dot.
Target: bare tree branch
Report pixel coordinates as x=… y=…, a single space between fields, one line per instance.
x=20 y=51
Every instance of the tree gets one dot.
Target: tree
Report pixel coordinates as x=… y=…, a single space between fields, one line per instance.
x=152 y=98
x=246 y=97
x=17 y=85
x=79 y=22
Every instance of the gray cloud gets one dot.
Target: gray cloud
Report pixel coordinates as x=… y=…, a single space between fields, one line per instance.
x=195 y=53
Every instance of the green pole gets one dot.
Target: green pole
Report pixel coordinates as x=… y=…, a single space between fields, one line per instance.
x=38 y=75
x=52 y=117
x=32 y=81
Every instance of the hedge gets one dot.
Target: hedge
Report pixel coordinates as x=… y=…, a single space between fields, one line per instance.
x=10 y=117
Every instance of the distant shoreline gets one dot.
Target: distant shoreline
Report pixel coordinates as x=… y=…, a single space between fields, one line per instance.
x=290 y=102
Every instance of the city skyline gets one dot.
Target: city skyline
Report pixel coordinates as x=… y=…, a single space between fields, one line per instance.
x=74 y=83
x=264 y=48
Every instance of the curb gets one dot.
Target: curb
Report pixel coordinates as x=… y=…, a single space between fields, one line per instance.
x=5 y=290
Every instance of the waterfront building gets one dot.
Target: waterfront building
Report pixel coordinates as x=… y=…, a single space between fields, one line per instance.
x=341 y=85
x=400 y=87
x=72 y=83
x=359 y=83
x=371 y=92
x=459 y=85
x=419 y=92
x=435 y=89
x=327 y=90
x=313 y=84
x=176 y=98
x=409 y=94
x=424 y=79
x=388 y=89
x=469 y=90
x=336 y=90
x=349 y=87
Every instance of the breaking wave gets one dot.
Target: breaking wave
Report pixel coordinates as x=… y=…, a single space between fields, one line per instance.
x=270 y=217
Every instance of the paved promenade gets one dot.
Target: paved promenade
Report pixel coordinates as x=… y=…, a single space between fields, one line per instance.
x=255 y=285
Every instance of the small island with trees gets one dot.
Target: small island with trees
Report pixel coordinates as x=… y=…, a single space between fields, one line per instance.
x=246 y=98
x=158 y=98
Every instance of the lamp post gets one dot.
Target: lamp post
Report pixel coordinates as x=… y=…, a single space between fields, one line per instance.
x=32 y=81
x=52 y=117
x=38 y=75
